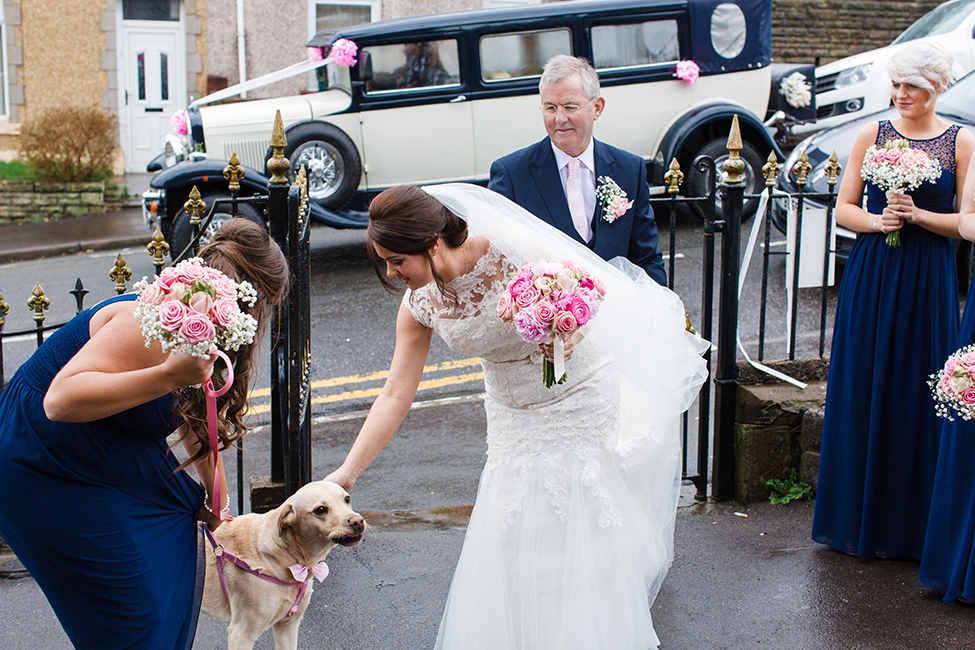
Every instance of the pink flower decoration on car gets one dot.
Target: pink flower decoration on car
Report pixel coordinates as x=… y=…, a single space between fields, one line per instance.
x=687 y=71
x=343 y=52
x=314 y=53
x=180 y=123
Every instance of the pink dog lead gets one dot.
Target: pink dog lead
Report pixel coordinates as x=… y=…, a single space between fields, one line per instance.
x=211 y=397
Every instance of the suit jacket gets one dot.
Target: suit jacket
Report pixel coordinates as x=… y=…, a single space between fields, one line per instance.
x=530 y=178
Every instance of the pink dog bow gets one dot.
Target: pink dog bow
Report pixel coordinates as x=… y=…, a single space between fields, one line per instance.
x=300 y=571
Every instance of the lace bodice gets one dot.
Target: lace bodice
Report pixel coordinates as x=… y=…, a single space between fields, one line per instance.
x=576 y=421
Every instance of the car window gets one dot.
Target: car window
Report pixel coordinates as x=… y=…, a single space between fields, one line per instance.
x=417 y=64
x=624 y=46
x=520 y=55
x=940 y=20
x=959 y=99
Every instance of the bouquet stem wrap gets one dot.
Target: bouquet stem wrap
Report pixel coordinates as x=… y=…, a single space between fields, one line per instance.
x=211 y=397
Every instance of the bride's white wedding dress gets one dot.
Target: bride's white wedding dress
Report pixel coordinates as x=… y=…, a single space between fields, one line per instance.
x=572 y=530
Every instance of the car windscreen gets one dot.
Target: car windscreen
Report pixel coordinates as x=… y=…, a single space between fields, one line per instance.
x=959 y=100
x=940 y=20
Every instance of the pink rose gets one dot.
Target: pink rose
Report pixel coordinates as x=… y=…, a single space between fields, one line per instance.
x=908 y=160
x=171 y=315
x=197 y=328
x=580 y=310
x=506 y=309
x=892 y=155
x=565 y=323
x=225 y=289
x=518 y=285
x=968 y=360
x=223 y=312
x=544 y=283
x=201 y=302
x=600 y=288
x=530 y=329
x=968 y=396
x=166 y=279
x=190 y=274
x=545 y=311
x=152 y=295
x=951 y=364
x=527 y=298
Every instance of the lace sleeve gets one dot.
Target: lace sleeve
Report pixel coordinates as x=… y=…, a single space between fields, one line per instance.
x=420 y=307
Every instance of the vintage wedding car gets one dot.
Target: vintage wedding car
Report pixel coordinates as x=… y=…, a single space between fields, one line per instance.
x=437 y=98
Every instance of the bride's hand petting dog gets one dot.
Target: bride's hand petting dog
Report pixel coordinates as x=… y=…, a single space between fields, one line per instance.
x=299 y=532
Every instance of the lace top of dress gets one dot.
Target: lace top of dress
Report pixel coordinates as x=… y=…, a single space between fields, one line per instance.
x=936 y=197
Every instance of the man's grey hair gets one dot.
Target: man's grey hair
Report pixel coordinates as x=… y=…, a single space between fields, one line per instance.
x=562 y=65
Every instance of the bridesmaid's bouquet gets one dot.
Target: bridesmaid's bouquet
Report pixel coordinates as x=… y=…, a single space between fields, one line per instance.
x=191 y=307
x=953 y=386
x=547 y=302
x=896 y=168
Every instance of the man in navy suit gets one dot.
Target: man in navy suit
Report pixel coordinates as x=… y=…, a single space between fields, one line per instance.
x=546 y=180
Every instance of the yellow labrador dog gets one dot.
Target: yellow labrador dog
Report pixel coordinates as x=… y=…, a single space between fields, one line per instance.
x=268 y=562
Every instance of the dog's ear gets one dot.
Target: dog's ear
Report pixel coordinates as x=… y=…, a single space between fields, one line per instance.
x=287 y=518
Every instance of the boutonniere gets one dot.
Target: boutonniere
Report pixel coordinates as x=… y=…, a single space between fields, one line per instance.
x=613 y=199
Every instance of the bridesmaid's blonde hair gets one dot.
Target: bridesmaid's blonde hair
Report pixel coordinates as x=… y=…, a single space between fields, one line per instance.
x=922 y=64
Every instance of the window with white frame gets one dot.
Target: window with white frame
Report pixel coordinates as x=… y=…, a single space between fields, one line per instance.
x=329 y=16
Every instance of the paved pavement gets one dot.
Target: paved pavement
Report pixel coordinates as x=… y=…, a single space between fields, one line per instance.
x=743 y=577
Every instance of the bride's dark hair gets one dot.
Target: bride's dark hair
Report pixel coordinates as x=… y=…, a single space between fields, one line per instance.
x=408 y=221
x=242 y=250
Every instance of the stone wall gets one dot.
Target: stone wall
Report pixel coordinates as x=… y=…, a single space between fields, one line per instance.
x=820 y=31
x=22 y=202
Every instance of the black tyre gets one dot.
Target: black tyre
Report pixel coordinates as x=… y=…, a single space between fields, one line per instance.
x=754 y=180
x=183 y=231
x=331 y=161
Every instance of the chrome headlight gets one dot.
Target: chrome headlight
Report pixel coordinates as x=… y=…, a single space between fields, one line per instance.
x=175 y=151
x=853 y=76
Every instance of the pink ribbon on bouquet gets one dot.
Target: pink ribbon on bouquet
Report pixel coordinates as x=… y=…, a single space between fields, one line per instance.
x=211 y=397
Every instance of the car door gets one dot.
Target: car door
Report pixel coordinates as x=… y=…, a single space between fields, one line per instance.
x=416 y=115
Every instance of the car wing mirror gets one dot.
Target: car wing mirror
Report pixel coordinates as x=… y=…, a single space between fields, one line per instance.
x=365 y=66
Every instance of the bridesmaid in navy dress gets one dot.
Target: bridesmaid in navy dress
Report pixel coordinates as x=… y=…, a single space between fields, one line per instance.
x=92 y=500
x=896 y=322
x=948 y=564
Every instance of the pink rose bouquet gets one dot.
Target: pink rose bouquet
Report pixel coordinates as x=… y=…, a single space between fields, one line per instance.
x=898 y=168
x=547 y=302
x=953 y=387
x=191 y=307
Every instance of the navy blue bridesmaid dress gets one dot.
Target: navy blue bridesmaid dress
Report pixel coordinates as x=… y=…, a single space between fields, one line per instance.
x=98 y=512
x=948 y=564
x=896 y=323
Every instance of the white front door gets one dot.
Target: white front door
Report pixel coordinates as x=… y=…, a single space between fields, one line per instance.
x=152 y=76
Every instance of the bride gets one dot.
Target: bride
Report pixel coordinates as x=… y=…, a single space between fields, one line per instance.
x=572 y=529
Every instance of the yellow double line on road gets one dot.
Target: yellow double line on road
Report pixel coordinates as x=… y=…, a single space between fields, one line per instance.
x=351 y=380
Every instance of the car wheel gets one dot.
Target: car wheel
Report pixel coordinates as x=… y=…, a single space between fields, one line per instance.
x=183 y=230
x=331 y=161
x=754 y=181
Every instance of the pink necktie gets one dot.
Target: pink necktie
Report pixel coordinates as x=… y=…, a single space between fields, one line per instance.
x=577 y=206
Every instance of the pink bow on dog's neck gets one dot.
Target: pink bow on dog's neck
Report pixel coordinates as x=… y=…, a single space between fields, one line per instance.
x=300 y=571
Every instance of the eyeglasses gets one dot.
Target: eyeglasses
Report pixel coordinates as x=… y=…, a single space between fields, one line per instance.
x=568 y=109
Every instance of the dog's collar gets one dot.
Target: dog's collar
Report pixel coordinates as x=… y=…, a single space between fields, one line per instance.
x=300 y=571
x=223 y=554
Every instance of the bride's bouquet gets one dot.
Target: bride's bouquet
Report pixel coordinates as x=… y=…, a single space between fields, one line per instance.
x=548 y=302
x=896 y=168
x=191 y=307
x=953 y=386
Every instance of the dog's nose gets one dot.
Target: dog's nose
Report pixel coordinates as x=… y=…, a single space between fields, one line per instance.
x=357 y=523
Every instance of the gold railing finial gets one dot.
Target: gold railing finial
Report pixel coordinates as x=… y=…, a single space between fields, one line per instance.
x=195 y=207
x=38 y=303
x=734 y=166
x=674 y=177
x=833 y=169
x=802 y=168
x=4 y=309
x=277 y=164
x=234 y=173
x=121 y=273
x=771 y=169
x=158 y=248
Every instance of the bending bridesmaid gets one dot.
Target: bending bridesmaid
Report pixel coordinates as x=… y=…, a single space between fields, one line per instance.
x=948 y=564
x=92 y=500
x=896 y=322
